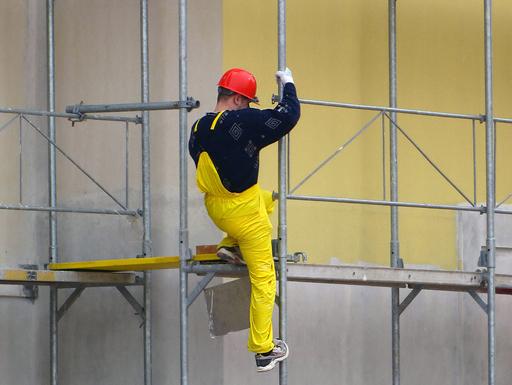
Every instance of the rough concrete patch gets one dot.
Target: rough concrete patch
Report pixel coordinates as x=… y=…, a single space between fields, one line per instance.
x=228 y=306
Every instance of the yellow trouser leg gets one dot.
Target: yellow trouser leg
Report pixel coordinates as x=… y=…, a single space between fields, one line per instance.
x=227 y=241
x=258 y=256
x=253 y=233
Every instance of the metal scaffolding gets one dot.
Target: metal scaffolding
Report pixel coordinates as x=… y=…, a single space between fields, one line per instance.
x=391 y=114
x=379 y=277
x=32 y=275
x=395 y=277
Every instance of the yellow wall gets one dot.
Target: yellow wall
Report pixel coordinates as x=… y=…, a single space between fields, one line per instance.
x=338 y=51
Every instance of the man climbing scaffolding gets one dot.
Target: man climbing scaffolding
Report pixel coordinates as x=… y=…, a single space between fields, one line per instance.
x=225 y=146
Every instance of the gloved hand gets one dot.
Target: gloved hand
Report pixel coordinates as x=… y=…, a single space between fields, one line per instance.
x=284 y=77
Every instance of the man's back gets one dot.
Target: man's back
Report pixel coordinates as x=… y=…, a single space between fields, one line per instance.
x=233 y=139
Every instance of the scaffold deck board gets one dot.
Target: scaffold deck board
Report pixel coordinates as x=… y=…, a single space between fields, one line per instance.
x=129 y=264
x=376 y=276
x=386 y=277
x=65 y=278
x=443 y=280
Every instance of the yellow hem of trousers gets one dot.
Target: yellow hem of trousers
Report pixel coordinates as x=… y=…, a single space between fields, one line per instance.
x=224 y=243
x=259 y=351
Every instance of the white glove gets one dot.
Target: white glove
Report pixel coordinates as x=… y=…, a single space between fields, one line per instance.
x=284 y=77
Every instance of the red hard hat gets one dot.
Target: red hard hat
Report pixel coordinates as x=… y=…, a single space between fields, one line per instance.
x=240 y=81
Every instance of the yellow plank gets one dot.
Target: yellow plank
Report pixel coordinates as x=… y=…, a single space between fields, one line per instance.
x=28 y=275
x=206 y=258
x=130 y=264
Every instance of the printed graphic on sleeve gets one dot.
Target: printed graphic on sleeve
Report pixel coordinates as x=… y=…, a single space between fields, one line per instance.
x=273 y=123
x=235 y=131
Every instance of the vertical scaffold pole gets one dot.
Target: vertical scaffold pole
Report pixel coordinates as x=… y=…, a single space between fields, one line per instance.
x=490 y=189
x=395 y=245
x=52 y=191
x=184 y=247
x=283 y=236
x=146 y=187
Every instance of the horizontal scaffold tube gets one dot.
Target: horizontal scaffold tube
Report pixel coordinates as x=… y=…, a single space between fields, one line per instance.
x=124 y=107
x=21 y=111
x=480 y=209
x=69 y=210
x=480 y=118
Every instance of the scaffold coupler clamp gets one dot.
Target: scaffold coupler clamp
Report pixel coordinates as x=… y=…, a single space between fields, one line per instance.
x=30 y=292
x=191 y=103
x=299 y=256
x=80 y=117
x=485 y=279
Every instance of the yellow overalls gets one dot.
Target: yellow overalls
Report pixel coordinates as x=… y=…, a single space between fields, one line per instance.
x=244 y=218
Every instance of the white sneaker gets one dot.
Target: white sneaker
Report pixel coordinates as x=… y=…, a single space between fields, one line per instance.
x=268 y=361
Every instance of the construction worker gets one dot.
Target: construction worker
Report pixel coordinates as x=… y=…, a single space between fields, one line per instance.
x=225 y=146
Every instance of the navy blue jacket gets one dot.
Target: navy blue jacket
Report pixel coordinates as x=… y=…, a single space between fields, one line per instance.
x=238 y=137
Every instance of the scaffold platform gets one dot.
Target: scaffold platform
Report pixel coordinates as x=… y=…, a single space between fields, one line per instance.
x=23 y=276
x=442 y=280
x=201 y=264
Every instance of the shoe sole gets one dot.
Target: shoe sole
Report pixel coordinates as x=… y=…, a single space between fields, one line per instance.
x=273 y=363
x=230 y=259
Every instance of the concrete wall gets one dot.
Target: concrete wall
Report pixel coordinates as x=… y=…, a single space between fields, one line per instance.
x=98 y=61
x=23 y=237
